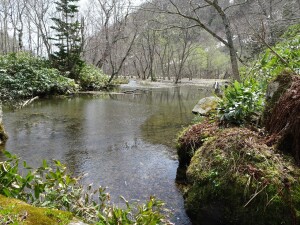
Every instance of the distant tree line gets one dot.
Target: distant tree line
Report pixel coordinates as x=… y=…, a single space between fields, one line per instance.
x=160 y=39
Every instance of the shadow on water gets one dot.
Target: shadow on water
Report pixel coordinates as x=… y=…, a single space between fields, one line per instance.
x=124 y=142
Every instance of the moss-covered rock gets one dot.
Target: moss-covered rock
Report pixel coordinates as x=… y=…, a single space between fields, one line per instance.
x=189 y=141
x=236 y=179
x=13 y=211
x=192 y=138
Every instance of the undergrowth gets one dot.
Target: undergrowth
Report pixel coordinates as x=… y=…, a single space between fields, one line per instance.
x=52 y=187
x=243 y=102
x=25 y=76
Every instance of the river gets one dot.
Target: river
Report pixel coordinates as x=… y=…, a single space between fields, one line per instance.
x=125 y=142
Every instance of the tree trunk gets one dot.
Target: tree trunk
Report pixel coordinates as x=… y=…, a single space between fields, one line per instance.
x=230 y=45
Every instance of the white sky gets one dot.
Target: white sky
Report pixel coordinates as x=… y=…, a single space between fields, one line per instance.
x=135 y=2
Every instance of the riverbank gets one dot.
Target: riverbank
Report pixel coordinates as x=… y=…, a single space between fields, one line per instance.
x=204 y=83
x=242 y=162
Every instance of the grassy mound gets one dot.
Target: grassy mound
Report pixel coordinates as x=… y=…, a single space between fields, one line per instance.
x=236 y=179
x=13 y=211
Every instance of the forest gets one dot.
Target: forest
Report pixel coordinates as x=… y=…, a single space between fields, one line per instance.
x=156 y=39
x=104 y=78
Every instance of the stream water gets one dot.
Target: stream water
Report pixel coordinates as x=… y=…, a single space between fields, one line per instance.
x=124 y=142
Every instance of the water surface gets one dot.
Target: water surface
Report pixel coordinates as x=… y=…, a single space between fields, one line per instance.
x=124 y=142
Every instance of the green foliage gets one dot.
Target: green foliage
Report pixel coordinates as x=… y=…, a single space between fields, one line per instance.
x=241 y=102
x=198 y=57
x=244 y=100
x=208 y=58
x=92 y=78
x=148 y=213
x=270 y=65
x=23 y=76
x=52 y=187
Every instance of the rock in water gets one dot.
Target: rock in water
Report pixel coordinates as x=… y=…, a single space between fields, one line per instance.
x=206 y=105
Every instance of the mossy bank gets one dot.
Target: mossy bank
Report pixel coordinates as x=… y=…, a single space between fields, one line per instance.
x=18 y=212
x=234 y=178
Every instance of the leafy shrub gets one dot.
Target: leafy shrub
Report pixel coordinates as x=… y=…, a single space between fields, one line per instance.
x=92 y=78
x=269 y=65
x=244 y=100
x=23 y=75
x=52 y=187
x=241 y=102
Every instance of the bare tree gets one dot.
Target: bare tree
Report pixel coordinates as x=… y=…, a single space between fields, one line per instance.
x=193 y=11
x=40 y=13
x=5 y=40
x=117 y=60
x=110 y=41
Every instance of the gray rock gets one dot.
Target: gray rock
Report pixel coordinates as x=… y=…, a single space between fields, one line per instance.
x=77 y=222
x=206 y=105
x=271 y=89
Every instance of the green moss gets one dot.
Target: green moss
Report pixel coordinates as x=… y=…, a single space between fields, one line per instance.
x=18 y=212
x=236 y=179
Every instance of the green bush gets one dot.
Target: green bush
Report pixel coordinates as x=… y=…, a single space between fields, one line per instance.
x=23 y=76
x=52 y=187
x=92 y=78
x=269 y=65
x=242 y=102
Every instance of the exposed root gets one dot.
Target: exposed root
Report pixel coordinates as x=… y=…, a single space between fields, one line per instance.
x=284 y=122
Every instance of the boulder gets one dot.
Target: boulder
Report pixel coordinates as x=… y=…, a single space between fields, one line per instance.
x=272 y=89
x=206 y=105
x=235 y=178
x=189 y=141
